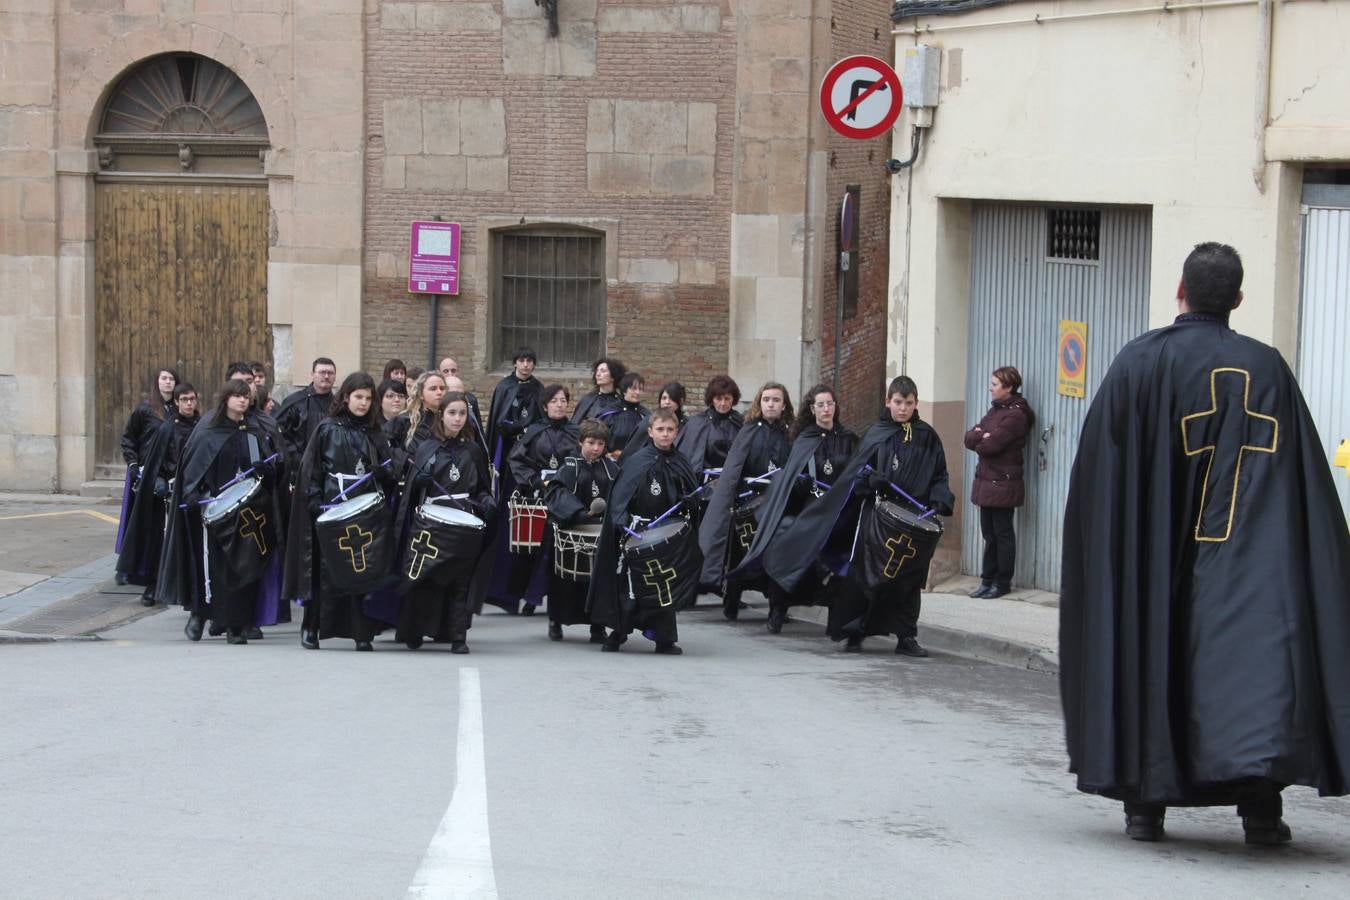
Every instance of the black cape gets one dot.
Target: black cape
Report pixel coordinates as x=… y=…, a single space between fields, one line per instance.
x=703 y=430
x=514 y=406
x=791 y=489
x=631 y=496
x=144 y=536
x=1204 y=618
x=593 y=404
x=181 y=578
x=299 y=414
x=752 y=442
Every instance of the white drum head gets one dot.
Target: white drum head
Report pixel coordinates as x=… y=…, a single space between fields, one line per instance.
x=348 y=508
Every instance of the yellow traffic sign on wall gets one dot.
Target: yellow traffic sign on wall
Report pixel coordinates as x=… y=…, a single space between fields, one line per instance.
x=1072 y=358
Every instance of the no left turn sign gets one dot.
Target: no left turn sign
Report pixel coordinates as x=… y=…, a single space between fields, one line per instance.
x=860 y=97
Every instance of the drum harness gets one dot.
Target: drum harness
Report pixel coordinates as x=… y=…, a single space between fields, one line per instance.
x=927 y=511
x=253 y=454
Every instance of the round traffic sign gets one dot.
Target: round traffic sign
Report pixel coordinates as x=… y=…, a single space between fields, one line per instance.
x=860 y=97
x=1072 y=355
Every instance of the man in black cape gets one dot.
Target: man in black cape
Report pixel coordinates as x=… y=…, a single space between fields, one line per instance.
x=1205 y=598
x=144 y=539
x=302 y=411
x=181 y=576
x=515 y=404
x=656 y=478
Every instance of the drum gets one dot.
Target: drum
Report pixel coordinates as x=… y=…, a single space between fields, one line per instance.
x=743 y=529
x=896 y=548
x=528 y=523
x=663 y=566
x=353 y=539
x=574 y=551
x=440 y=536
x=239 y=522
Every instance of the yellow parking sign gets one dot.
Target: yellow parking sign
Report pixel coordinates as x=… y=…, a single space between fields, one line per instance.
x=1072 y=354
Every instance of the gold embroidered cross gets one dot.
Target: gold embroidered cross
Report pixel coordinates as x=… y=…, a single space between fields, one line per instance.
x=355 y=542
x=422 y=550
x=251 y=524
x=661 y=577
x=897 y=560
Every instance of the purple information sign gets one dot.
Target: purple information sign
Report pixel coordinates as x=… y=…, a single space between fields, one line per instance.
x=433 y=258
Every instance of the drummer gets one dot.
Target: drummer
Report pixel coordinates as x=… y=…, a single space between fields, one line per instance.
x=821 y=449
x=236 y=444
x=534 y=459
x=578 y=496
x=759 y=451
x=348 y=456
x=412 y=426
x=449 y=469
x=652 y=482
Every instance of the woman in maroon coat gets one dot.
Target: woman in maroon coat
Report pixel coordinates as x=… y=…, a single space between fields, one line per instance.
x=1000 y=440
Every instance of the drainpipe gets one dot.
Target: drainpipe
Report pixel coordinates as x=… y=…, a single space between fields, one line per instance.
x=1261 y=115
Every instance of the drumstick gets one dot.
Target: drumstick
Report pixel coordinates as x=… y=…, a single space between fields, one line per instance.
x=362 y=479
x=927 y=511
x=233 y=481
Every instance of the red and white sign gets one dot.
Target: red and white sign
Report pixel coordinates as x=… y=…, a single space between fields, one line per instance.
x=861 y=97
x=433 y=258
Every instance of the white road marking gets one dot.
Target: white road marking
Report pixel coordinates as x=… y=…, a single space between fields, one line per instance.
x=458 y=863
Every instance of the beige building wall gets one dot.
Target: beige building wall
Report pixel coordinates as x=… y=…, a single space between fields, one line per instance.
x=1148 y=108
x=303 y=62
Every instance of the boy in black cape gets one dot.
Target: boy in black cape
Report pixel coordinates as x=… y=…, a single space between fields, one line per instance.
x=182 y=573
x=515 y=404
x=144 y=539
x=1205 y=598
x=899 y=449
x=655 y=479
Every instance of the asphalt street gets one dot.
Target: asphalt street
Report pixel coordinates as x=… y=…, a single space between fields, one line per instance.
x=753 y=766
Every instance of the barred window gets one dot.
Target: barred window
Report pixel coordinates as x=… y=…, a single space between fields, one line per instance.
x=1073 y=235
x=550 y=285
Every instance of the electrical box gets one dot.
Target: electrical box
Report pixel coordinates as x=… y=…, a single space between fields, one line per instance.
x=921 y=75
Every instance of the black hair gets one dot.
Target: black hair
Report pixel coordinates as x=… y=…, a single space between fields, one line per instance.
x=593 y=428
x=155 y=399
x=350 y=385
x=1212 y=278
x=525 y=353
x=807 y=415
x=675 y=391
x=257 y=367
x=904 y=386
x=239 y=368
x=182 y=389
x=322 y=361
x=470 y=429
x=631 y=379
x=391 y=384
x=234 y=387
x=391 y=366
x=616 y=369
x=548 y=393
x=719 y=385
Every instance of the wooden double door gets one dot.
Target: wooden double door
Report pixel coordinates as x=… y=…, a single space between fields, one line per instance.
x=181 y=283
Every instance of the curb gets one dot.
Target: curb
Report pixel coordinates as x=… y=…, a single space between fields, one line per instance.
x=19 y=637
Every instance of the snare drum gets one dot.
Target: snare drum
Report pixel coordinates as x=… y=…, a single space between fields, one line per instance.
x=529 y=519
x=744 y=526
x=663 y=568
x=353 y=540
x=574 y=551
x=440 y=535
x=239 y=522
x=896 y=547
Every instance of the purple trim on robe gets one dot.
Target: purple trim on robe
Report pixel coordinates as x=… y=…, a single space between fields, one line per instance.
x=384 y=604
x=267 y=607
x=128 y=495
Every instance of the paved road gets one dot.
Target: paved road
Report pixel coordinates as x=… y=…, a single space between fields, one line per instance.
x=48 y=536
x=751 y=767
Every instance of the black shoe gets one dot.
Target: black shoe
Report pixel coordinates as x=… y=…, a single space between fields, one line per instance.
x=612 y=644
x=255 y=633
x=148 y=598
x=732 y=611
x=413 y=643
x=776 y=619
x=908 y=646
x=554 y=631
x=854 y=629
x=459 y=647
x=983 y=590
x=853 y=644
x=528 y=609
x=1145 y=827
x=597 y=634
x=236 y=636
x=741 y=604
x=215 y=629
x=120 y=578
x=193 y=629
x=309 y=638
x=1266 y=831
x=365 y=646
x=669 y=648
x=998 y=590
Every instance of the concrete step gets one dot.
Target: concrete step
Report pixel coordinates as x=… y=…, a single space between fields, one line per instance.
x=102 y=488
x=110 y=472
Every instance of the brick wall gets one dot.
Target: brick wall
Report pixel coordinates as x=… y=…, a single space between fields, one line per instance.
x=667 y=293
x=859 y=26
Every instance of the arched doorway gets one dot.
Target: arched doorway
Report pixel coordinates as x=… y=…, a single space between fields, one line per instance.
x=181 y=234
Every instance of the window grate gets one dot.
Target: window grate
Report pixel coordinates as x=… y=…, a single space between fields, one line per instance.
x=551 y=295
x=1073 y=235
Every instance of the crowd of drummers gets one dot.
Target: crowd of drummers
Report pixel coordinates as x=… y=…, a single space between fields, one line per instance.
x=407 y=505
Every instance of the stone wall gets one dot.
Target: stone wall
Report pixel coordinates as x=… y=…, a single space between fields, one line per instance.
x=623 y=123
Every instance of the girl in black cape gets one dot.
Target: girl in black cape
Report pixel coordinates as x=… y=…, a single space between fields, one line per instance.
x=144 y=539
x=821 y=448
x=194 y=571
x=578 y=495
x=756 y=456
x=413 y=426
x=346 y=446
x=626 y=420
x=606 y=373
x=144 y=421
x=451 y=463
x=536 y=458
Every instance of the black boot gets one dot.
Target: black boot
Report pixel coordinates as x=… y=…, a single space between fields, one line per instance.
x=908 y=646
x=853 y=644
x=613 y=643
x=254 y=633
x=236 y=636
x=983 y=590
x=554 y=631
x=777 y=616
x=998 y=590
x=460 y=647
x=193 y=629
x=669 y=648
x=148 y=598
x=1144 y=821
x=1266 y=831
x=215 y=629
x=309 y=638
x=365 y=646
x=597 y=634
x=528 y=609
x=413 y=643
x=120 y=578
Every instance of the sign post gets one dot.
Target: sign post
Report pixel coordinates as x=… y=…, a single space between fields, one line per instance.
x=861 y=97
x=433 y=268
x=1072 y=358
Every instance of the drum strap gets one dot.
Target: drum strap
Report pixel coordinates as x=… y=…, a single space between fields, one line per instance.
x=342 y=479
x=254 y=454
x=206 y=561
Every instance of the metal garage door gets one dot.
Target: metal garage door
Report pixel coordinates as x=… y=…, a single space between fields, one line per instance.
x=1031 y=267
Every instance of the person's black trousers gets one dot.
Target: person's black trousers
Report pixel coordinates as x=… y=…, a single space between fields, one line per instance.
x=1000 y=545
